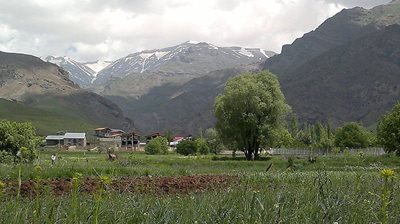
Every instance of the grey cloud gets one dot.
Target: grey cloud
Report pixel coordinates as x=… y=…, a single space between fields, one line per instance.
x=108 y=29
x=363 y=3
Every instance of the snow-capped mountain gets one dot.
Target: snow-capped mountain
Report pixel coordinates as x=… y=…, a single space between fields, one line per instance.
x=98 y=65
x=79 y=73
x=190 y=57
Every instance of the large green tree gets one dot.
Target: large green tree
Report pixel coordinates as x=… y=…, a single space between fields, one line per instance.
x=353 y=135
x=18 y=140
x=388 y=131
x=248 y=111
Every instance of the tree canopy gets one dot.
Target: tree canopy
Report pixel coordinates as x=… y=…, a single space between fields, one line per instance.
x=353 y=135
x=18 y=140
x=158 y=145
x=248 y=111
x=388 y=131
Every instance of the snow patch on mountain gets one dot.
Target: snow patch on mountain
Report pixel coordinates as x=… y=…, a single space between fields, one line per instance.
x=192 y=42
x=264 y=53
x=146 y=55
x=244 y=52
x=98 y=65
x=160 y=54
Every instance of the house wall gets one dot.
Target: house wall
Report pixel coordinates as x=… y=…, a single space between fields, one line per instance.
x=54 y=142
x=75 y=142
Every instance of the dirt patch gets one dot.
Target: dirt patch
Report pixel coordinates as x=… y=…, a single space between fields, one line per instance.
x=156 y=185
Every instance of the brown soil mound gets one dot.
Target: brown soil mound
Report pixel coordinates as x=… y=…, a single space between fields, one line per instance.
x=156 y=185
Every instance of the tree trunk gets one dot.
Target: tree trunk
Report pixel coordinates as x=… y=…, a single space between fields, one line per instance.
x=249 y=155
x=256 y=154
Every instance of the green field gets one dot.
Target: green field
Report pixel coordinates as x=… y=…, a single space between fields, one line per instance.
x=47 y=119
x=342 y=189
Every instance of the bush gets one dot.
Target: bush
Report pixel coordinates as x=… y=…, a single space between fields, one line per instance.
x=18 y=140
x=202 y=147
x=187 y=147
x=353 y=135
x=388 y=130
x=213 y=140
x=159 y=145
x=6 y=157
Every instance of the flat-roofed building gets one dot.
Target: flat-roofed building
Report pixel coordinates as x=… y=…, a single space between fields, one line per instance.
x=75 y=139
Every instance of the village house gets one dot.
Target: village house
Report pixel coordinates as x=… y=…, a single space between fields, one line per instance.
x=53 y=140
x=108 y=132
x=176 y=141
x=130 y=140
x=153 y=136
x=75 y=139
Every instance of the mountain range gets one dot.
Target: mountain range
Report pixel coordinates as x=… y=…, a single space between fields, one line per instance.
x=345 y=70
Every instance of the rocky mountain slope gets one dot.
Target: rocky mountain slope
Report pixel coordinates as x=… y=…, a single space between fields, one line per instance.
x=37 y=84
x=189 y=58
x=81 y=73
x=358 y=81
x=185 y=109
x=345 y=26
x=328 y=74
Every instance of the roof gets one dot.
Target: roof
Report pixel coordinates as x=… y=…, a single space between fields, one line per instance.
x=55 y=137
x=155 y=134
x=100 y=129
x=130 y=134
x=75 y=135
x=177 y=138
x=117 y=130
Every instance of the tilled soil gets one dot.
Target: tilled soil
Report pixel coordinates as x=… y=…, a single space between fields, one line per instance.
x=156 y=185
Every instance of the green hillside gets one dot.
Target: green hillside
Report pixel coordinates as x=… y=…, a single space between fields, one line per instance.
x=47 y=119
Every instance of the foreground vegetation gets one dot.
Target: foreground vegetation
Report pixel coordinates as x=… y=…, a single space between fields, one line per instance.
x=140 y=164
x=343 y=189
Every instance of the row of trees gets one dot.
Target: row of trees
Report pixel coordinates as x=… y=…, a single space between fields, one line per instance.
x=252 y=114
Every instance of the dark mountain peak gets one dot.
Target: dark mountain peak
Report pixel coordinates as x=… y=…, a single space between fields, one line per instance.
x=357 y=81
x=345 y=26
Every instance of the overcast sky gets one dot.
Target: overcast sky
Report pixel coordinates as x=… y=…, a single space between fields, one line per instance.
x=88 y=30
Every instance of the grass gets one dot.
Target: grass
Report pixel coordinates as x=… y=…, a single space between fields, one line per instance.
x=140 y=164
x=343 y=189
x=48 y=118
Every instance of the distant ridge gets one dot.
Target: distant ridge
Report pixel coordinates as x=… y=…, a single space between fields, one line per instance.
x=40 y=86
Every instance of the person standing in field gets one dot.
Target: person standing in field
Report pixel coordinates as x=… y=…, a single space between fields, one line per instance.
x=53 y=159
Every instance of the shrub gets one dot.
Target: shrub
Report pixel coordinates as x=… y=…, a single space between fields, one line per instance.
x=6 y=157
x=389 y=130
x=159 y=145
x=213 y=140
x=187 y=147
x=202 y=146
x=18 y=140
x=353 y=135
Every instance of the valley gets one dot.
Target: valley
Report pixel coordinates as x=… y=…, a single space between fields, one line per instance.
x=324 y=75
